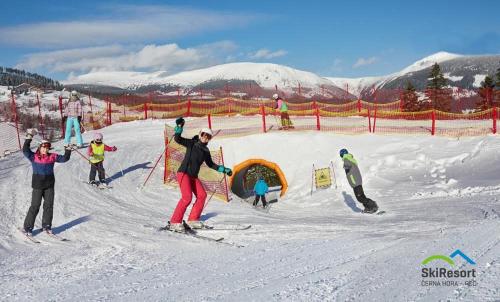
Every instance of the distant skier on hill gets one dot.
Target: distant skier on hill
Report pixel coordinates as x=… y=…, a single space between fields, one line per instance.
x=197 y=153
x=260 y=189
x=72 y=117
x=354 y=178
x=42 y=181
x=281 y=105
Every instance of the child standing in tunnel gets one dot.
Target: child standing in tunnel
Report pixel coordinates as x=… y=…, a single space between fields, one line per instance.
x=260 y=189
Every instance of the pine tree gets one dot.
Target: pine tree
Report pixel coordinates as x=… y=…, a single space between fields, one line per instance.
x=486 y=94
x=439 y=96
x=410 y=99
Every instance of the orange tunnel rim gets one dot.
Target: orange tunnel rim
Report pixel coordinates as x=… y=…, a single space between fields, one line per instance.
x=265 y=163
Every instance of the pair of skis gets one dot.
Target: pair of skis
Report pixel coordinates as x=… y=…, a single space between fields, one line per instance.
x=48 y=233
x=195 y=232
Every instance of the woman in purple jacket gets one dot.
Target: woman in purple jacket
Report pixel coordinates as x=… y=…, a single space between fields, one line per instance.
x=42 y=181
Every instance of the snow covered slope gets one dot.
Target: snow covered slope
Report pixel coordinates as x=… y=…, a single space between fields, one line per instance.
x=440 y=195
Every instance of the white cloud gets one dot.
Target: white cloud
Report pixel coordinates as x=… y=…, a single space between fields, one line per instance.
x=167 y=57
x=267 y=54
x=125 y=24
x=363 y=62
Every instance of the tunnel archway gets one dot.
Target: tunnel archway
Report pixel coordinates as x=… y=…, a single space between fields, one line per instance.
x=246 y=174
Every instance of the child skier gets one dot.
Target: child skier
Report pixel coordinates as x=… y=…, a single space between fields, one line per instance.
x=354 y=178
x=197 y=152
x=42 y=181
x=96 y=152
x=281 y=105
x=260 y=190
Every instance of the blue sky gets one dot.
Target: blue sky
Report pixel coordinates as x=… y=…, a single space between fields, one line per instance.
x=330 y=38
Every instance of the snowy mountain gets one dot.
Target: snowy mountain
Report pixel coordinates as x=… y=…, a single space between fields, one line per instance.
x=466 y=72
x=264 y=75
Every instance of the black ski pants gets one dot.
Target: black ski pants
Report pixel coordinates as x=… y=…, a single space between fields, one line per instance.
x=262 y=197
x=48 y=208
x=360 y=196
x=97 y=167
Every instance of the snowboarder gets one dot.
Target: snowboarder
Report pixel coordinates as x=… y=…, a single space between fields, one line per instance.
x=354 y=178
x=281 y=105
x=197 y=152
x=96 y=157
x=42 y=181
x=73 y=117
x=260 y=189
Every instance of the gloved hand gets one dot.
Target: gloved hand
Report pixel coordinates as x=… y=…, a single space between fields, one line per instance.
x=178 y=130
x=30 y=133
x=79 y=119
x=69 y=147
x=180 y=122
x=225 y=170
x=114 y=148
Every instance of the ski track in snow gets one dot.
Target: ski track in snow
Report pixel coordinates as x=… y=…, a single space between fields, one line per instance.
x=440 y=194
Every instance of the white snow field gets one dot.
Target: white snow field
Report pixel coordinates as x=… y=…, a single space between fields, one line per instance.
x=440 y=194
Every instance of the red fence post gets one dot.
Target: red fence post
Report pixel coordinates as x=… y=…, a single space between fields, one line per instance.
x=165 y=171
x=109 y=114
x=14 y=111
x=263 y=113
x=318 y=125
x=433 y=129
x=145 y=111
x=369 y=122
x=189 y=108
x=375 y=118
x=209 y=121
x=359 y=105
x=495 y=120
x=91 y=120
x=40 y=118
x=60 y=110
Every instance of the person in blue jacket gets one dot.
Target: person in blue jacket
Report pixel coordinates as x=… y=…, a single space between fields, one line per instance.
x=260 y=189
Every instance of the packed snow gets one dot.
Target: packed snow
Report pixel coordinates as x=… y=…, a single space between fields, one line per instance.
x=440 y=195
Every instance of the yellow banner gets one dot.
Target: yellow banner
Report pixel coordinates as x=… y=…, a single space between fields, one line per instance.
x=323 y=178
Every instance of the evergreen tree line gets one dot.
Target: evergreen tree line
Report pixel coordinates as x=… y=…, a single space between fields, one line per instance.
x=13 y=77
x=439 y=97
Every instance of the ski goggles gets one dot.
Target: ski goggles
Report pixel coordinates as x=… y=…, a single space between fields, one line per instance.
x=98 y=142
x=45 y=145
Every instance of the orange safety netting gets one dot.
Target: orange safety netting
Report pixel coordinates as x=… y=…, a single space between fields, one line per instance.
x=215 y=183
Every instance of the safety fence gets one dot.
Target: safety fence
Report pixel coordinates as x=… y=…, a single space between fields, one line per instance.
x=252 y=116
x=214 y=182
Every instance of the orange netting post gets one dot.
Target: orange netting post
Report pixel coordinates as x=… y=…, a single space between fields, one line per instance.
x=359 y=105
x=495 y=120
x=433 y=129
x=369 y=122
x=318 y=126
x=91 y=119
x=263 y=113
x=145 y=111
x=375 y=118
x=109 y=113
x=189 y=108
x=209 y=121
x=40 y=118
x=14 y=111
x=60 y=111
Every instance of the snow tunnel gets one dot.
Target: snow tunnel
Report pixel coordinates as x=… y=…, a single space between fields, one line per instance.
x=247 y=173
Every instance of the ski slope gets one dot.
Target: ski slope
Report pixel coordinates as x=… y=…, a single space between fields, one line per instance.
x=440 y=195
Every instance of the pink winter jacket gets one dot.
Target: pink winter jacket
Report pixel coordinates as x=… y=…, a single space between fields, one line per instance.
x=73 y=108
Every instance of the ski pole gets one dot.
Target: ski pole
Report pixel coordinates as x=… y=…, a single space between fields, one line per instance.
x=157 y=161
x=87 y=159
x=220 y=181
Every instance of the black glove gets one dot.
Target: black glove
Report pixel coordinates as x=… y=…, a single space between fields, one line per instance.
x=79 y=119
x=180 y=122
